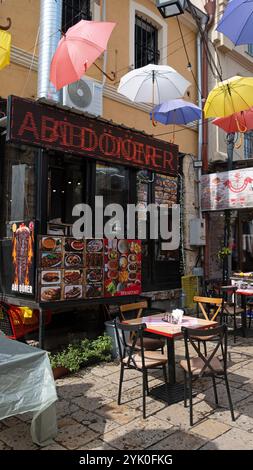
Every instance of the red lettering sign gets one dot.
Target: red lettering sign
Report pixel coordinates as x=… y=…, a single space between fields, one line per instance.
x=46 y=126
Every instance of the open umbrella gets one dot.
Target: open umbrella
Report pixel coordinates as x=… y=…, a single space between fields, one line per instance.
x=176 y=112
x=229 y=97
x=238 y=122
x=237 y=22
x=82 y=44
x=5 y=48
x=153 y=84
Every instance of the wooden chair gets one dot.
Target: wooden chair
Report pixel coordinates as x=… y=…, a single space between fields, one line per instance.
x=207 y=305
x=137 y=359
x=205 y=366
x=210 y=308
x=138 y=310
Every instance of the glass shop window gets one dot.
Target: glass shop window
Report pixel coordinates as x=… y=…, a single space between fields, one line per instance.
x=66 y=183
x=18 y=186
x=165 y=192
x=112 y=182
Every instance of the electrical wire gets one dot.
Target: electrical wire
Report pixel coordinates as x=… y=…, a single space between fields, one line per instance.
x=188 y=58
x=31 y=64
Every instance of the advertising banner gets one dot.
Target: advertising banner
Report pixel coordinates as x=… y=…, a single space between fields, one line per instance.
x=23 y=257
x=227 y=190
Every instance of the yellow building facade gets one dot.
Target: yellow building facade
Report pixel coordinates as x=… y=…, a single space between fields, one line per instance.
x=20 y=77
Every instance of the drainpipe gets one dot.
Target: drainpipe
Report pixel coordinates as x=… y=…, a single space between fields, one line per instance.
x=200 y=122
x=210 y=7
x=105 y=52
x=50 y=34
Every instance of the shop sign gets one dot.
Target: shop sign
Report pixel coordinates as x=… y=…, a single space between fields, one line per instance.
x=227 y=190
x=23 y=258
x=46 y=126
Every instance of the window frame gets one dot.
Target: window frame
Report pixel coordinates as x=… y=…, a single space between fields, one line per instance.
x=147 y=14
x=75 y=17
x=248 y=145
x=147 y=29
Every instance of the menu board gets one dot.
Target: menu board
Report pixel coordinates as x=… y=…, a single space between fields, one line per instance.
x=165 y=190
x=72 y=269
x=122 y=267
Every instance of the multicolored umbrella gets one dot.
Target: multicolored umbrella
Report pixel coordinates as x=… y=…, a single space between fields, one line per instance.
x=229 y=97
x=176 y=112
x=153 y=84
x=82 y=44
x=238 y=122
x=237 y=22
x=5 y=48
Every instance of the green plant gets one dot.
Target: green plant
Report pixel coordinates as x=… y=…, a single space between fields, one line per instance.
x=223 y=252
x=82 y=353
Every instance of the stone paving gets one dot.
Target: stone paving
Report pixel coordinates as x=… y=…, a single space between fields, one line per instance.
x=89 y=417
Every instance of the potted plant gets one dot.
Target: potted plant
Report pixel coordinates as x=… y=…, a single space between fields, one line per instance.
x=81 y=353
x=224 y=252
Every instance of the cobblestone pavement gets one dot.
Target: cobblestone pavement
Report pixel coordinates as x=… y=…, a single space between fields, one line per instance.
x=89 y=417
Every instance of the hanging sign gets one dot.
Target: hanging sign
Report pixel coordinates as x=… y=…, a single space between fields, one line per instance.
x=40 y=124
x=227 y=190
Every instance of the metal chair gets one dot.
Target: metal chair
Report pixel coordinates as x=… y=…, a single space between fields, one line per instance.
x=205 y=366
x=138 y=310
x=141 y=360
x=229 y=306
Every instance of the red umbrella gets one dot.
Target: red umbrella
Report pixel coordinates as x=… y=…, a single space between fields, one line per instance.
x=237 y=122
x=82 y=44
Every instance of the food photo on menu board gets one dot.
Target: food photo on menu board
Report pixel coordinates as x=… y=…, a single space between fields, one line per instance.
x=73 y=276
x=122 y=267
x=94 y=290
x=71 y=244
x=51 y=277
x=73 y=292
x=73 y=260
x=51 y=244
x=50 y=293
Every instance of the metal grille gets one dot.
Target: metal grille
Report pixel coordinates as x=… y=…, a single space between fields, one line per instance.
x=5 y=324
x=74 y=11
x=146 y=43
x=248 y=144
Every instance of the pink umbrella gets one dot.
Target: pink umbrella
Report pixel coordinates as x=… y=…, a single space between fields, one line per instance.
x=237 y=122
x=82 y=44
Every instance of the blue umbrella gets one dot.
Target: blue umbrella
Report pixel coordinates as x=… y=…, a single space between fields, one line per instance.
x=237 y=22
x=176 y=112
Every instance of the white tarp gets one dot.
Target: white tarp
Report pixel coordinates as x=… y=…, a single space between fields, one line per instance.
x=27 y=385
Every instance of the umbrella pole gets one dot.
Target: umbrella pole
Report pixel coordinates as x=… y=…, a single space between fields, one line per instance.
x=226 y=265
x=154 y=123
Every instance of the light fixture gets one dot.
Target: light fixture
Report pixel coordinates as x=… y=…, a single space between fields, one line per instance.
x=170 y=8
x=69 y=182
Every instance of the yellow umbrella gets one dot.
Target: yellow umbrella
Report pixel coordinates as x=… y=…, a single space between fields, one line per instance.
x=5 y=48
x=229 y=97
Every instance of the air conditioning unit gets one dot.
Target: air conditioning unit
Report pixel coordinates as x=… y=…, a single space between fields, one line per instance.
x=85 y=95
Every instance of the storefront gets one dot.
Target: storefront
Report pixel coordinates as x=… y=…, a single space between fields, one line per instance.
x=54 y=159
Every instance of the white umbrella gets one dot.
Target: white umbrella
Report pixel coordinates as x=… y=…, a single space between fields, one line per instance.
x=153 y=84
